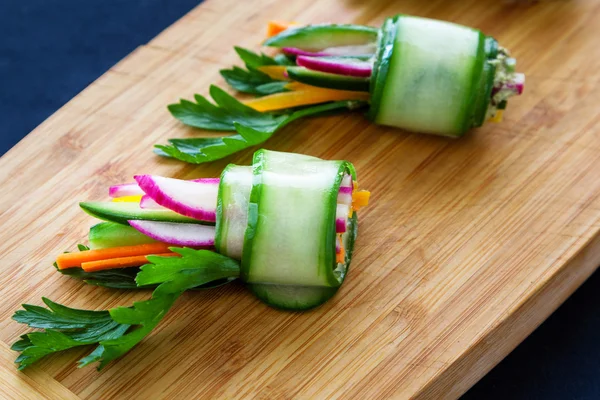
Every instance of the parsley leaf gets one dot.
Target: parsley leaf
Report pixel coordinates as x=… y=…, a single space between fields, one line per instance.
x=222 y=116
x=65 y=328
x=118 y=330
x=253 y=127
x=251 y=80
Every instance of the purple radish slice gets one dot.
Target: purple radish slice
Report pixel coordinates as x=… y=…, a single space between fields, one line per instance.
x=344 y=197
x=179 y=234
x=346 y=189
x=125 y=189
x=208 y=181
x=133 y=189
x=346 y=181
x=341 y=217
x=358 y=50
x=294 y=51
x=193 y=199
x=148 y=203
x=340 y=66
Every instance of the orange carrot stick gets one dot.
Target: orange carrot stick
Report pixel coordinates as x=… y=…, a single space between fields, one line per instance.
x=360 y=199
x=71 y=260
x=276 y=27
x=122 y=262
x=341 y=256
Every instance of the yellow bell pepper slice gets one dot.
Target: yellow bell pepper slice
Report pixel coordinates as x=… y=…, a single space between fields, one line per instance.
x=127 y=199
x=274 y=72
x=360 y=199
x=303 y=97
x=498 y=117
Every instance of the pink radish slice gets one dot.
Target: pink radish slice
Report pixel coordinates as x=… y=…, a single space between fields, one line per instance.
x=359 y=50
x=132 y=189
x=193 y=199
x=338 y=246
x=345 y=193
x=147 y=202
x=346 y=181
x=192 y=235
x=293 y=51
x=344 y=198
x=208 y=181
x=517 y=84
x=341 y=216
x=336 y=66
x=125 y=189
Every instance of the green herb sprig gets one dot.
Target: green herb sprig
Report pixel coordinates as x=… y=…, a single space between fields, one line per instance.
x=229 y=114
x=118 y=330
x=251 y=80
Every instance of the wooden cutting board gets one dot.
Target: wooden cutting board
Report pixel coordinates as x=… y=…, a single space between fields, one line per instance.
x=467 y=247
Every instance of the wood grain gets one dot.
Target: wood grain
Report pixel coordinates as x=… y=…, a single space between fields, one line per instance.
x=468 y=245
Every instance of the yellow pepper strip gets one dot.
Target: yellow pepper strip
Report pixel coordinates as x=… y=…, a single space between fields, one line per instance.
x=127 y=199
x=276 y=27
x=274 y=72
x=498 y=117
x=360 y=199
x=281 y=101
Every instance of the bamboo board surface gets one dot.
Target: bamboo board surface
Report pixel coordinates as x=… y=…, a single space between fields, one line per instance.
x=468 y=244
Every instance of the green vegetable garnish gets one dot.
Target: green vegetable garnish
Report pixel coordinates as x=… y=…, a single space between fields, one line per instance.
x=229 y=114
x=119 y=329
x=251 y=80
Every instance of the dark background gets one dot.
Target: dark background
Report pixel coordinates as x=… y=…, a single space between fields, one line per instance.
x=50 y=50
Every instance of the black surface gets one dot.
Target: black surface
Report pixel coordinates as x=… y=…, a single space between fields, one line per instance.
x=52 y=49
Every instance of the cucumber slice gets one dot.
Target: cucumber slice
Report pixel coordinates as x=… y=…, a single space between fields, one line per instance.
x=486 y=83
x=232 y=210
x=121 y=212
x=290 y=238
x=110 y=234
x=322 y=36
x=293 y=298
x=299 y=298
x=327 y=80
x=429 y=76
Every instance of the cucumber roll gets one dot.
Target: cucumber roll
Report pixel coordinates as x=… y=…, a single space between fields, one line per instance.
x=285 y=226
x=425 y=75
x=413 y=73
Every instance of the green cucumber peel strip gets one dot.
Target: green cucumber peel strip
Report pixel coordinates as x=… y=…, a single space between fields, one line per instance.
x=251 y=80
x=118 y=330
x=385 y=47
x=320 y=36
x=486 y=83
x=229 y=114
x=328 y=80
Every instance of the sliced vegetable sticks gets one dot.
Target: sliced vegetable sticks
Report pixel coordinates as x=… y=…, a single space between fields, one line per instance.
x=72 y=260
x=122 y=262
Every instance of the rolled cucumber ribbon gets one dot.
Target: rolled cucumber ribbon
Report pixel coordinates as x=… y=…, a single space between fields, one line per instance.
x=279 y=217
x=426 y=76
x=433 y=77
